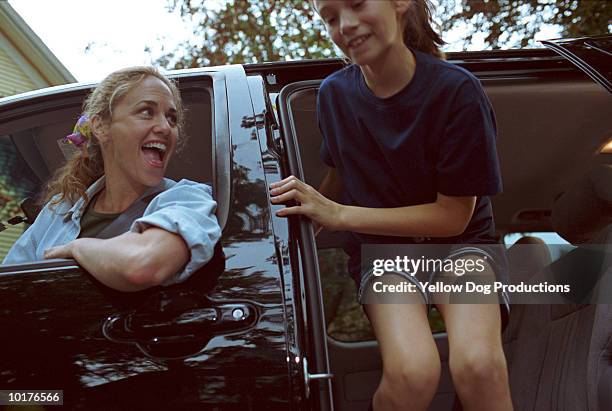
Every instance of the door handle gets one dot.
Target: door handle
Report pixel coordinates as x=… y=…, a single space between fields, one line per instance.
x=190 y=325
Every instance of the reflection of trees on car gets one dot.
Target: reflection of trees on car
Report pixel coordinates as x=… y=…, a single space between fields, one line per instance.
x=250 y=213
x=268 y=30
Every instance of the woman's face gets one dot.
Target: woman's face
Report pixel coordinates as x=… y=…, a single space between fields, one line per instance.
x=363 y=29
x=142 y=135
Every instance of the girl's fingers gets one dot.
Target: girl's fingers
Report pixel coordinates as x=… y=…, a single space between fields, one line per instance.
x=289 y=195
x=283 y=182
x=291 y=185
x=287 y=211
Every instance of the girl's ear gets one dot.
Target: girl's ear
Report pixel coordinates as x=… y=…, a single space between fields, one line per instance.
x=401 y=6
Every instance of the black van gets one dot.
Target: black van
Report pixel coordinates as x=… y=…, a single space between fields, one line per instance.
x=275 y=324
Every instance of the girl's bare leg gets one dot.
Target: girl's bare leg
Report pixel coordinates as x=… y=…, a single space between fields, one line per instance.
x=476 y=359
x=411 y=363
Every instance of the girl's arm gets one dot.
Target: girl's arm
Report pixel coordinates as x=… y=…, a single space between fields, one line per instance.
x=330 y=187
x=446 y=217
x=131 y=261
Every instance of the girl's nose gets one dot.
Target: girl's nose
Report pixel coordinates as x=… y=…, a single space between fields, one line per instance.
x=348 y=22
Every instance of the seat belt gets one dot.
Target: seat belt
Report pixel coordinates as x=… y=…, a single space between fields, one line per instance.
x=124 y=221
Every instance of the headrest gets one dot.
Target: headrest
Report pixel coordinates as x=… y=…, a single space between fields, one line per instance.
x=586 y=208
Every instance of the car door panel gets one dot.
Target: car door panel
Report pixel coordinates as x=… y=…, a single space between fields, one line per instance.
x=216 y=341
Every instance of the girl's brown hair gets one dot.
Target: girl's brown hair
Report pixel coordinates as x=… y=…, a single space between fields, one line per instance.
x=83 y=168
x=418 y=29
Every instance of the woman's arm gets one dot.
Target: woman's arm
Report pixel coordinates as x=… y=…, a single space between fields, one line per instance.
x=131 y=261
x=172 y=240
x=446 y=217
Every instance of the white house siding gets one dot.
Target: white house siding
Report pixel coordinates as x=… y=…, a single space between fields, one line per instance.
x=12 y=78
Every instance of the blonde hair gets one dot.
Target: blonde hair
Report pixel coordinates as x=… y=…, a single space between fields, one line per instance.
x=71 y=181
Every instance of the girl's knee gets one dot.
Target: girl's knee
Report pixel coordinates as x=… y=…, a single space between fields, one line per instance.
x=478 y=365
x=411 y=377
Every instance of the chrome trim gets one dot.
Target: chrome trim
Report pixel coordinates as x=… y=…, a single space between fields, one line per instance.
x=40 y=270
x=222 y=143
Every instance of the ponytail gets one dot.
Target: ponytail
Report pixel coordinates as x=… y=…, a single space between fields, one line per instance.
x=71 y=181
x=418 y=31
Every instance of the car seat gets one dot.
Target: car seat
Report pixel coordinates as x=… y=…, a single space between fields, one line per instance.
x=560 y=356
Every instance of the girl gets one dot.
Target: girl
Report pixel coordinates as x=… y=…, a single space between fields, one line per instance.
x=411 y=143
x=127 y=135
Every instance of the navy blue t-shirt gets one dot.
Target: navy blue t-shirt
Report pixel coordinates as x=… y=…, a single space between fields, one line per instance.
x=435 y=135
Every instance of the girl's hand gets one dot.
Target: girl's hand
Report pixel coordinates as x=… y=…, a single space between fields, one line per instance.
x=324 y=212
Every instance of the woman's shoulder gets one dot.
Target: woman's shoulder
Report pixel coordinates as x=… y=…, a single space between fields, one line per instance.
x=57 y=205
x=185 y=185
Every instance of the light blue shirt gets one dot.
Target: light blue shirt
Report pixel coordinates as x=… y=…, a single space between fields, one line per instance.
x=187 y=209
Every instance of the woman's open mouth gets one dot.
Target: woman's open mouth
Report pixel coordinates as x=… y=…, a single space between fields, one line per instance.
x=154 y=153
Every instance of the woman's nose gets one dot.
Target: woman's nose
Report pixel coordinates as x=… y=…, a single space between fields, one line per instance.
x=162 y=125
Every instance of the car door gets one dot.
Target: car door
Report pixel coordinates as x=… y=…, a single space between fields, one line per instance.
x=216 y=341
x=353 y=351
x=592 y=55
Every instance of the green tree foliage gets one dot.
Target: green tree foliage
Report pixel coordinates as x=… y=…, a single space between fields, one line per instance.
x=514 y=23
x=248 y=31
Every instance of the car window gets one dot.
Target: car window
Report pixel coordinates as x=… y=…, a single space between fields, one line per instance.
x=557 y=245
x=31 y=149
x=17 y=182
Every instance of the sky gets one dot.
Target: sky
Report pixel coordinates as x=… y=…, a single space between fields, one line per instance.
x=116 y=32
x=93 y=38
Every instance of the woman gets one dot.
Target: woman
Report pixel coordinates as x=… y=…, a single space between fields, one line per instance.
x=129 y=130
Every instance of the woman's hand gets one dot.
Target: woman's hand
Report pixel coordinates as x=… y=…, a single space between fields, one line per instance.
x=324 y=212
x=61 y=251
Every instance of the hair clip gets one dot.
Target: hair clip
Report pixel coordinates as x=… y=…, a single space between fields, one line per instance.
x=81 y=132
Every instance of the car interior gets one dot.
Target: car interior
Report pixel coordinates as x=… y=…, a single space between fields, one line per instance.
x=557 y=179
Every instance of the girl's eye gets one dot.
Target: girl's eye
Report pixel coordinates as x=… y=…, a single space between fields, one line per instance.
x=358 y=4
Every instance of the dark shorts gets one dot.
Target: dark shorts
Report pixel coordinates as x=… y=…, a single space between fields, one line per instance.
x=493 y=254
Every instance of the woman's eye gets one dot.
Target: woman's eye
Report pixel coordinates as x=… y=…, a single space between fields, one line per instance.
x=172 y=119
x=148 y=111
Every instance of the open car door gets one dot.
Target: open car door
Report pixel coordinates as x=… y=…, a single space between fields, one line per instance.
x=592 y=55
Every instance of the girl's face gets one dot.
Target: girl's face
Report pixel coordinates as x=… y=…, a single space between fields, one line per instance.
x=142 y=135
x=364 y=29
